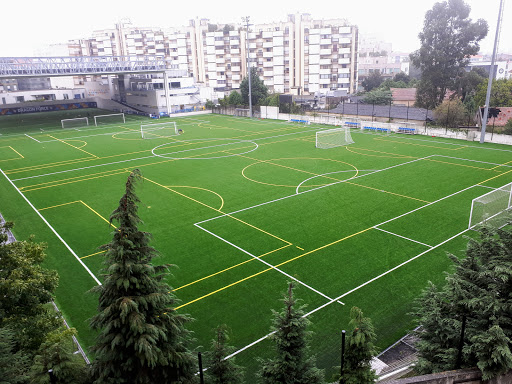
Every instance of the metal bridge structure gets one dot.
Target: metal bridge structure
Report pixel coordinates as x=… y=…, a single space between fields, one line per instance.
x=19 y=67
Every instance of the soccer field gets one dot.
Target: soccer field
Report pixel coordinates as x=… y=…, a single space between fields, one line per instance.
x=242 y=206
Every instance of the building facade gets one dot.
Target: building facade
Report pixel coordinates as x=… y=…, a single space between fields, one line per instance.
x=299 y=56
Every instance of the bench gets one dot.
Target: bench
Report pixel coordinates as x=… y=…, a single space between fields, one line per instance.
x=299 y=121
x=352 y=124
x=376 y=129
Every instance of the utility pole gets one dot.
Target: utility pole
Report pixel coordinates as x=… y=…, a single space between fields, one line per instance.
x=491 y=76
x=246 y=20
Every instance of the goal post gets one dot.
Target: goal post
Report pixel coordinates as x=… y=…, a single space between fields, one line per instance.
x=331 y=138
x=74 y=123
x=153 y=131
x=112 y=118
x=493 y=208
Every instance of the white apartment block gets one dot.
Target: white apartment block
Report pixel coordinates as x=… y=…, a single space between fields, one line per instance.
x=298 y=56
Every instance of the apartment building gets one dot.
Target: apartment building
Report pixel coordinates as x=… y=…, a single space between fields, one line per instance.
x=299 y=56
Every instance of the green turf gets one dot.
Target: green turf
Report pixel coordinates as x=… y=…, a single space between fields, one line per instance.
x=242 y=206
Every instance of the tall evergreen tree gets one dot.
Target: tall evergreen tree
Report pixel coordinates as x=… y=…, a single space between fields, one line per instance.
x=478 y=293
x=359 y=350
x=14 y=366
x=259 y=91
x=142 y=339
x=292 y=365
x=222 y=370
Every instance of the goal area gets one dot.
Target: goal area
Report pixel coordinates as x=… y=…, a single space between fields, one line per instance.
x=493 y=209
x=159 y=130
x=331 y=138
x=113 y=118
x=75 y=123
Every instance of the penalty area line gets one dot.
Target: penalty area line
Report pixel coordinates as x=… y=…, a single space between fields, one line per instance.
x=30 y=137
x=52 y=229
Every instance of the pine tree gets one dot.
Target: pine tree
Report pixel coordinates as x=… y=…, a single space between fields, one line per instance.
x=222 y=370
x=142 y=339
x=479 y=292
x=359 y=350
x=292 y=365
x=57 y=353
x=13 y=365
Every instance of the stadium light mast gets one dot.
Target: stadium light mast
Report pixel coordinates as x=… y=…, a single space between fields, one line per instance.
x=246 y=20
x=491 y=76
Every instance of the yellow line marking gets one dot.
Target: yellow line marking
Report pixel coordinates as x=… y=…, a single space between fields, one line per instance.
x=80 y=149
x=93 y=254
x=299 y=247
x=461 y=165
x=419 y=145
x=217 y=210
x=508 y=162
x=26 y=189
x=204 y=189
x=102 y=218
x=391 y=193
x=17 y=152
x=390 y=155
x=494 y=177
x=233 y=266
x=59 y=205
x=269 y=269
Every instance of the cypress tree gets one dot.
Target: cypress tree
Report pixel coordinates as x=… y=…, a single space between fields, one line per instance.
x=359 y=350
x=292 y=365
x=142 y=339
x=220 y=369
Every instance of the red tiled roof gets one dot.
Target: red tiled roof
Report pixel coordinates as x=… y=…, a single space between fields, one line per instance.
x=505 y=114
x=404 y=94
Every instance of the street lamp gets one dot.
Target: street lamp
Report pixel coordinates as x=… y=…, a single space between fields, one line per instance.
x=246 y=20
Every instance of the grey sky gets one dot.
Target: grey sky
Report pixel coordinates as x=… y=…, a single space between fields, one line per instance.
x=29 y=24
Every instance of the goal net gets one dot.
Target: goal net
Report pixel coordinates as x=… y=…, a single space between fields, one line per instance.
x=114 y=118
x=155 y=131
x=494 y=208
x=75 y=123
x=350 y=122
x=331 y=138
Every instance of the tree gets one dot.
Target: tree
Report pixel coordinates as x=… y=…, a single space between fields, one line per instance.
x=374 y=80
x=141 y=337
x=501 y=93
x=227 y=28
x=478 y=294
x=378 y=96
x=467 y=83
x=209 y=104
x=56 y=353
x=508 y=127
x=359 y=350
x=222 y=370
x=259 y=90
x=292 y=365
x=14 y=366
x=25 y=290
x=402 y=76
x=271 y=100
x=451 y=113
x=448 y=39
x=235 y=98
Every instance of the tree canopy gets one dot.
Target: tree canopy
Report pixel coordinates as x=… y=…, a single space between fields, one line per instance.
x=222 y=370
x=478 y=293
x=259 y=91
x=374 y=80
x=501 y=93
x=448 y=39
x=141 y=337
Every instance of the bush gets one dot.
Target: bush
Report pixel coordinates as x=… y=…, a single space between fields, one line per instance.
x=451 y=114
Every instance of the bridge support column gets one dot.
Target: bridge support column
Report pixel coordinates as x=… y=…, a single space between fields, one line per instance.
x=167 y=93
x=122 y=88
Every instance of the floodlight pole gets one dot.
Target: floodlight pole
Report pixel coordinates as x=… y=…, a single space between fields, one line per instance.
x=246 y=19
x=491 y=76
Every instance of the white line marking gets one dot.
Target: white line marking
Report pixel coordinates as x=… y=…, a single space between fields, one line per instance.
x=267 y=264
x=353 y=290
x=475 y=161
x=309 y=190
x=53 y=230
x=403 y=237
x=32 y=138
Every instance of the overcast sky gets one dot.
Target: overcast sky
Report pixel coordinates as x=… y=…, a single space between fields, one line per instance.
x=28 y=24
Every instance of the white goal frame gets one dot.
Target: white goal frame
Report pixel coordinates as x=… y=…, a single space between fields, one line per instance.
x=77 y=119
x=341 y=137
x=158 y=126
x=109 y=115
x=491 y=208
